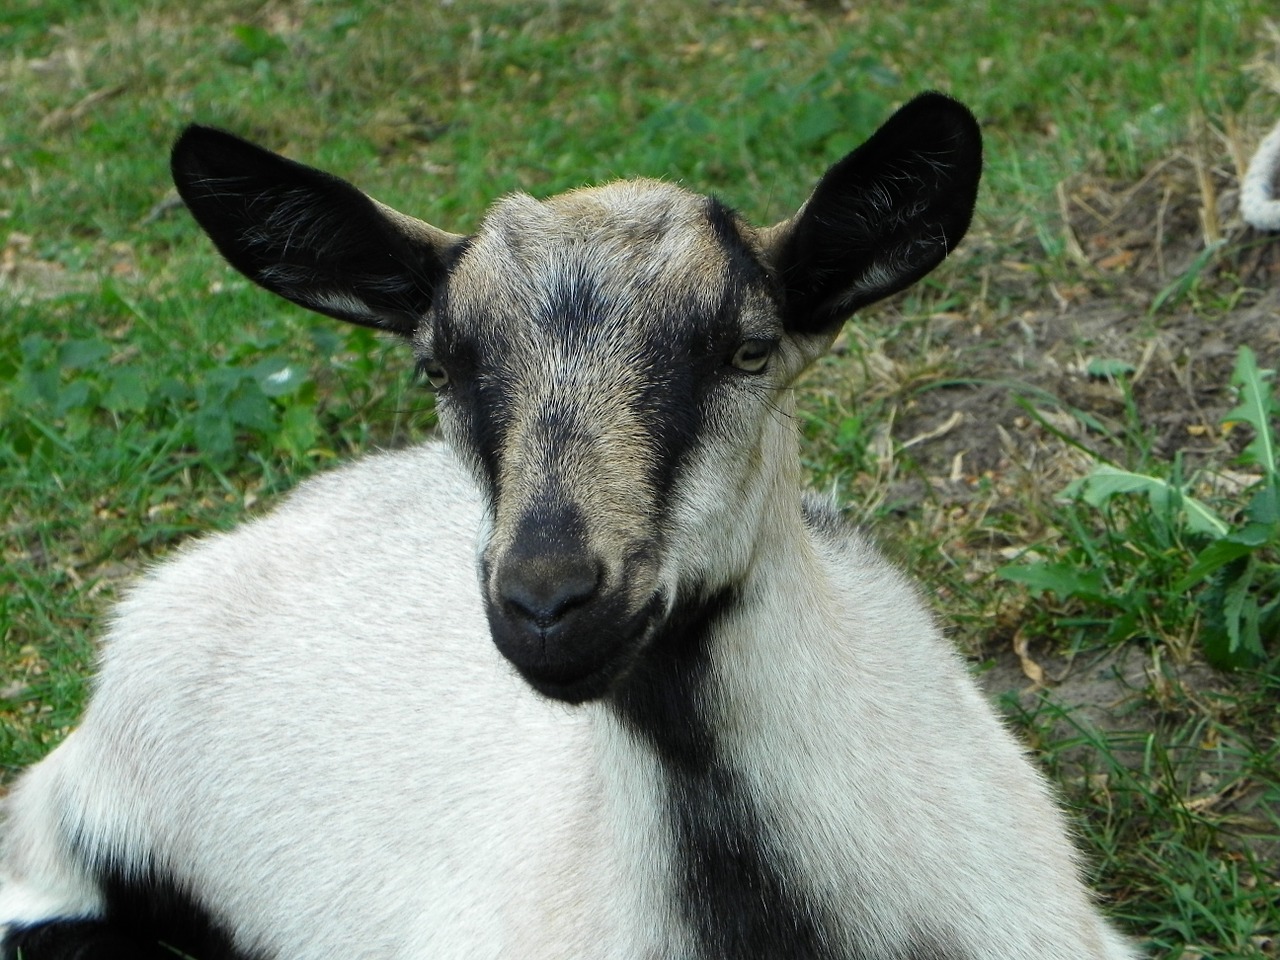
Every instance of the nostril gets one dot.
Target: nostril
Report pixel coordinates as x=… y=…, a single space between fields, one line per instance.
x=544 y=592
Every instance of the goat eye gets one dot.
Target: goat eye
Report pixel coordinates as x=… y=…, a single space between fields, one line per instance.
x=752 y=356
x=435 y=375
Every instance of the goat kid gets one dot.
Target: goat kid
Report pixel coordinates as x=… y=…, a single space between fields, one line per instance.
x=685 y=713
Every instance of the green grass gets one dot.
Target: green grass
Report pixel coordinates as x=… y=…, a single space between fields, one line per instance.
x=147 y=394
x=1156 y=561
x=1185 y=817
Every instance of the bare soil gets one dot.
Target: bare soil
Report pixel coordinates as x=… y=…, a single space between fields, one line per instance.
x=1168 y=284
x=1148 y=299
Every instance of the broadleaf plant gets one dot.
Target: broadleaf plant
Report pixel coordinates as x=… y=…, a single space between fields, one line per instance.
x=1183 y=556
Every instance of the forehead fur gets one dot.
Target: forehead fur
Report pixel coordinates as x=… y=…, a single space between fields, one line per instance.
x=626 y=240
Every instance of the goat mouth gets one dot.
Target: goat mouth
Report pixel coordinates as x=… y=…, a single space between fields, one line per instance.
x=580 y=664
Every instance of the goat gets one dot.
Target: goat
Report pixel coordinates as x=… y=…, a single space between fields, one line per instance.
x=712 y=722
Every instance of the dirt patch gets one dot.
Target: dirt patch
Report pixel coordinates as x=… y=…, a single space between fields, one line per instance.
x=1136 y=346
x=1145 y=337
x=1008 y=406
x=1118 y=693
x=1172 y=728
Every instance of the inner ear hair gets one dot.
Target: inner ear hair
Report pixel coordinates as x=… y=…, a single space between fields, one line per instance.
x=881 y=218
x=309 y=236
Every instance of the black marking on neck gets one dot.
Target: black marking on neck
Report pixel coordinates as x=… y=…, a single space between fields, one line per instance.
x=737 y=899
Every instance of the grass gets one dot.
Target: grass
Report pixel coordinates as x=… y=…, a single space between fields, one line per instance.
x=147 y=394
x=1156 y=559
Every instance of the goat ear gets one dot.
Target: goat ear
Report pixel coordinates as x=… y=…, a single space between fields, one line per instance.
x=882 y=217
x=309 y=236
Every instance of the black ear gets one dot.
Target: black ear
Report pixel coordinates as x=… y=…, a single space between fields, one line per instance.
x=309 y=236
x=882 y=217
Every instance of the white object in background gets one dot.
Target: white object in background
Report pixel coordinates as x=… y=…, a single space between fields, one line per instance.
x=1258 y=203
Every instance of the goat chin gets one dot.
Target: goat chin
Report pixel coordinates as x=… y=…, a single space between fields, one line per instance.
x=592 y=678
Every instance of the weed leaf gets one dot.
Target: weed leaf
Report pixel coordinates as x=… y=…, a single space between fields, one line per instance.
x=1105 y=481
x=1108 y=367
x=1223 y=551
x=1255 y=409
x=1264 y=507
x=1063 y=579
x=127 y=390
x=1233 y=620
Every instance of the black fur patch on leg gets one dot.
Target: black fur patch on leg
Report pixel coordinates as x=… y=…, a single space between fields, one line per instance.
x=67 y=939
x=147 y=917
x=78 y=940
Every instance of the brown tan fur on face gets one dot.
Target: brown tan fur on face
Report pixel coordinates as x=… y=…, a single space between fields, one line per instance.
x=647 y=252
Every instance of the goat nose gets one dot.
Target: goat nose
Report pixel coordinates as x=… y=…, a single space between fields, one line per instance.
x=543 y=592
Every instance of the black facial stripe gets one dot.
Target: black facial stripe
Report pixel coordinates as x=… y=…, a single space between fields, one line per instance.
x=745 y=269
x=669 y=406
x=685 y=361
x=478 y=395
x=684 y=367
x=736 y=899
x=483 y=392
x=487 y=408
x=486 y=404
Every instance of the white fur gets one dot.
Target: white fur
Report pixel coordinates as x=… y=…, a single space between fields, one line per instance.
x=387 y=787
